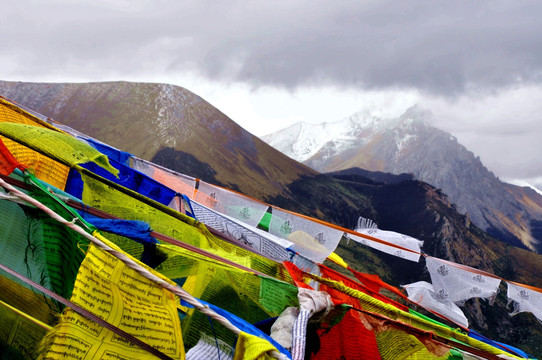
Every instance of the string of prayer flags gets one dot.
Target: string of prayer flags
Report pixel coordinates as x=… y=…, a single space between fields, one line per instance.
x=364 y=323
x=459 y=284
x=364 y=226
x=367 y=227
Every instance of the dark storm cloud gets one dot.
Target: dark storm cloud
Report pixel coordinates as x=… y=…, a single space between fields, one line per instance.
x=437 y=46
x=442 y=47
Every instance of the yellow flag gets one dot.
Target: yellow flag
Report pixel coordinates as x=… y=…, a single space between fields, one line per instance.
x=250 y=347
x=118 y=294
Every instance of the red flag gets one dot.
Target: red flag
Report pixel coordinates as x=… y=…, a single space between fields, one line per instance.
x=7 y=162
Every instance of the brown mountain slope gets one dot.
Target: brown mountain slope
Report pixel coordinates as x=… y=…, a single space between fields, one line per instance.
x=167 y=124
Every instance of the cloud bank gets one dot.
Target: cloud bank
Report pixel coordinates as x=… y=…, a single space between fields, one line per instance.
x=440 y=47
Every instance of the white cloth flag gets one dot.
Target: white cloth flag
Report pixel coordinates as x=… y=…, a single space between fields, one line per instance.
x=210 y=348
x=367 y=227
x=230 y=203
x=525 y=300
x=459 y=285
x=423 y=294
x=311 y=239
x=261 y=241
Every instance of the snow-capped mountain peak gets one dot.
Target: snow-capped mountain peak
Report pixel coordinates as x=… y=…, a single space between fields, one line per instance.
x=301 y=141
x=408 y=144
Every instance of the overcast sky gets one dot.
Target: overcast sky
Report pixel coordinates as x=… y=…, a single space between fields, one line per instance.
x=477 y=65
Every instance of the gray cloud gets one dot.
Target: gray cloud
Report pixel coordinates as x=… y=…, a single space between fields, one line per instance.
x=502 y=127
x=477 y=65
x=440 y=47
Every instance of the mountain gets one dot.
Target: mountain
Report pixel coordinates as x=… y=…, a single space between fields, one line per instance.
x=166 y=124
x=408 y=144
x=186 y=133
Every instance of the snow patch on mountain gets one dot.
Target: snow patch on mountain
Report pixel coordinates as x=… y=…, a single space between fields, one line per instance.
x=169 y=104
x=401 y=142
x=302 y=140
